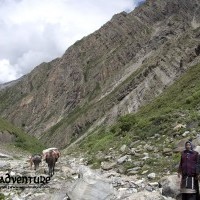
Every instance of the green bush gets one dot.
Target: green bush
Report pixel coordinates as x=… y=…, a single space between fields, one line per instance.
x=2 y=196
x=189 y=100
x=22 y=139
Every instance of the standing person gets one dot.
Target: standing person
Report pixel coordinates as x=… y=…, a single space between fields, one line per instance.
x=189 y=173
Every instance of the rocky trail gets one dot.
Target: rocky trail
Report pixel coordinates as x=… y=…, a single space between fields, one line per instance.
x=74 y=180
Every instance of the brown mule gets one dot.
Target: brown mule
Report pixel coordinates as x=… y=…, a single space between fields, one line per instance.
x=35 y=160
x=51 y=159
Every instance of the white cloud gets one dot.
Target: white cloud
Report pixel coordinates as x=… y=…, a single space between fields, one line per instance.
x=34 y=31
x=6 y=71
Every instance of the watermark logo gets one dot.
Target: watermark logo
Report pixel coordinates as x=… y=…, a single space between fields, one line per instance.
x=8 y=181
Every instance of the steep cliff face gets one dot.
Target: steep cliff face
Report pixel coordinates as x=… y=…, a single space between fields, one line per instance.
x=114 y=71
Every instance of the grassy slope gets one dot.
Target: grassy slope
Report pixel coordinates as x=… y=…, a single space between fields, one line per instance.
x=180 y=103
x=23 y=140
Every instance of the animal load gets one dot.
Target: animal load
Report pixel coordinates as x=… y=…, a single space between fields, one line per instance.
x=54 y=151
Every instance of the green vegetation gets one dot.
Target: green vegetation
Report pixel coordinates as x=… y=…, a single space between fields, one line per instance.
x=22 y=140
x=2 y=196
x=179 y=104
x=10 y=96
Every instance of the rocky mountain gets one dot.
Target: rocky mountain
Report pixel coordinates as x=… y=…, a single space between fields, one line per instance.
x=114 y=71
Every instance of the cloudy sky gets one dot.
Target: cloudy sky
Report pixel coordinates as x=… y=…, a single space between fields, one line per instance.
x=35 y=31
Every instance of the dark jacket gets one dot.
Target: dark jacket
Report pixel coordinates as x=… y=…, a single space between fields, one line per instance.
x=188 y=164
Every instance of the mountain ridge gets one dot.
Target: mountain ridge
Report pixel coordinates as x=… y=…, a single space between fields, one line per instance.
x=113 y=71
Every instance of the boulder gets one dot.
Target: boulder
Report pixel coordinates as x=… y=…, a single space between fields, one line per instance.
x=170 y=186
x=90 y=186
x=151 y=175
x=179 y=126
x=2 y=155
x=122 y=159
x=107 y=165
x=196 y=141
x=197 y=148
x=167 y=151
x=124 y=148
x=4 y=165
